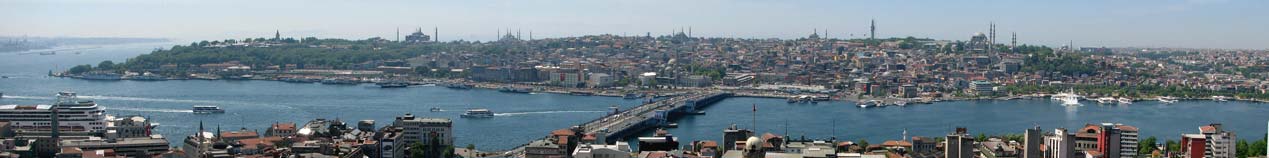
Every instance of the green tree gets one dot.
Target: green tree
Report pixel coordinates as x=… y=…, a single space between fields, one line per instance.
x=863 y=145
x=1147 y=146
x=106 y=65
x=80 y=69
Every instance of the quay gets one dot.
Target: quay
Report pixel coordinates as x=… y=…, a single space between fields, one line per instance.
x=631 y=121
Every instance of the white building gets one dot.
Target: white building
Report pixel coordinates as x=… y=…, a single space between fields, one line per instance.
x=619 y=150
x=1059 y=145
x=419 y=129
x=601 y=80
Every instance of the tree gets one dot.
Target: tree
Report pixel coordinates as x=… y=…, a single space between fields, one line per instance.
x=1147 y=146
x=106 y=65
x=80 y=69
x=863 y=144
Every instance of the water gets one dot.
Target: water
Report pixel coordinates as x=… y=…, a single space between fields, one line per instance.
x=520 y=118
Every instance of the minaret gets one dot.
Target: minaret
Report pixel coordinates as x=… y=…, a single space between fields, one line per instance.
x=277 y=35
x=436 y=34
x=200 y=132
x=217 y=134
x=518 y=34
x=1013 y=43
x=689 y=31
x=530 y=35
x=398 y=34
x=872 y=30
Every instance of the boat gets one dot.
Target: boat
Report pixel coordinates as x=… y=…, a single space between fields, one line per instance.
x=901 y=103
x=335 y=81
x=392 y=84
x=1106 y=100
x=672 y=125
x=436 y=109
x=510 y=89
x=580 y=94
x=1167 y=99
x=1124 y=100
x=458 y=86
x=478 y=113
x=1220 y=98
x=791 y=100
x=1070 y=100
x=632 y=96
x=207 y=109
x=868 y=104
x=75 y=114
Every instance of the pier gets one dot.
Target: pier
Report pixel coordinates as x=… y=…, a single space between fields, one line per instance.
x=654 y=114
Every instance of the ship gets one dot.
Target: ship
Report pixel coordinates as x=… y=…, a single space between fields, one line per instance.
x=1220 y=98
x=75 y=114
x=510 y=89
x=207 y=109
x=339 y=81
x=1125 y=101
x=1167 y=99
x=102 y=76
x=632 y=96
x=393 y=84
x=458 y=86
x=1106 y=100
x=478 y=113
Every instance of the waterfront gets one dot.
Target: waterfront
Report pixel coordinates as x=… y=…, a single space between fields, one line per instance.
x=524 y=117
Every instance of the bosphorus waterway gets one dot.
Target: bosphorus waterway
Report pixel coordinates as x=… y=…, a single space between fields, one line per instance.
x=523 y=117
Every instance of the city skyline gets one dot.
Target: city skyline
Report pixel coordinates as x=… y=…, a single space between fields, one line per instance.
x=1129 y=23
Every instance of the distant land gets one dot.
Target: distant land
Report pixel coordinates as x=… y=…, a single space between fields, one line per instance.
x=18 y=44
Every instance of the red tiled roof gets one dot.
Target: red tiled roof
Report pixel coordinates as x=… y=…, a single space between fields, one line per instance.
x=284 y=126
x=1207 y=129
x=1126 y=128
x=709 y=144
x=563 y=132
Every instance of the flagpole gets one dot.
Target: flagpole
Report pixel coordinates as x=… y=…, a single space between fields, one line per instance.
x=755 y=117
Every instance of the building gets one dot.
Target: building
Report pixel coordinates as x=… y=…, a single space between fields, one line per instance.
x=600 y=80
x=1107 y=140
x=959 y=144
x=281 y=130
x=130 y=147
x=1211 y=142
x=982 y=87
x=419 y=129
x=733 y=136
x=1059 y=144
x=386 y=144
x=619 y=150
x=1032 y=141
x=240 y=134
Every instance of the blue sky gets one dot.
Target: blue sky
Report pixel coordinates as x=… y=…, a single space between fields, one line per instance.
x=1149 y=23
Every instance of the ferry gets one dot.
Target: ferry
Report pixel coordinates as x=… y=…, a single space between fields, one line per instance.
x=1220 y=98
x=1106 y=100
x=207 y=109
x=510 y=89
x=632 y=96
x=1167 y=99
x=478 y=113
x=1070 y=100
x=868 y=104
x=436 y=109
x=1125 y=101
x=458 y=86
x=392 y=84
x=339 y=81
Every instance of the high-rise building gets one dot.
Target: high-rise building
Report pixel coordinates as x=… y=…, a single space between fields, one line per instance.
x=419 y=129
x=1211 y=142
x=959 y=144
x=1032 y=140
x=1059 y=145
x=1107 y=140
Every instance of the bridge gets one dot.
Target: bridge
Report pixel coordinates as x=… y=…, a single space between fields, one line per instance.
x=653 y=114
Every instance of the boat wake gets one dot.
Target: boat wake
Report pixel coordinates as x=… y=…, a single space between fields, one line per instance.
x=26 y=97
x=150 y=110
x=541 y=112
x=144 y=99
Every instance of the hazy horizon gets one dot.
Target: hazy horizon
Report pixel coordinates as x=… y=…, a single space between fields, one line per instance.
x=1231 y=24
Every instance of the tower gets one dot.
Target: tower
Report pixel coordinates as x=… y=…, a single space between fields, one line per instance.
x=1013 y=41
x=991 y=37
x=398 y=34
x=872 y=30
x=436 y=34
x=277 y=34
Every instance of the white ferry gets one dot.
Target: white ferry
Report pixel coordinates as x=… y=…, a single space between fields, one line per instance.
x=478 y=113
x=1167 y=99
x=207 y=109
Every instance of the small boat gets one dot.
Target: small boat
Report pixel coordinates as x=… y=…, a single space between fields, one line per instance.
x=632 y=96
x=1105 y=100
x=791 y=100
x=672 y=125
x=436 y=109
x=207 y=109
x=1220 y=98
x=867 y=104
x=478 y=113
x=901 y=103
x=1167 y=99
x=1125 y=101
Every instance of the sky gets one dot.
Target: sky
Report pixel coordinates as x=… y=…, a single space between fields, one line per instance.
x=1239 y=24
